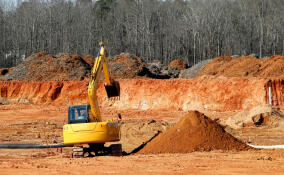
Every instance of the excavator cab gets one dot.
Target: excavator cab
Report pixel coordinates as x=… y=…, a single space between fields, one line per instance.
x=78 y=114
x=80 y=130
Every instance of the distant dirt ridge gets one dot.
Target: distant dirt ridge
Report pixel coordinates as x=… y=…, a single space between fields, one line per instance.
x=71 y=67
x=272 y=67
x=46 y=67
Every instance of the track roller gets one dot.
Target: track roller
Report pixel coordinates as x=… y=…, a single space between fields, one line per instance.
x=116 y=149
x=78 y=152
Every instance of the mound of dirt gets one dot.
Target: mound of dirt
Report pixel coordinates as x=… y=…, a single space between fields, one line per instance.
x=88 y=59
x=194 y=70
x=46 y=67
x=65 y=67
x=227 y=66
x=129 y=66
x=156 y=67
x=177 y=65
x=263 y=115
x=194 y=132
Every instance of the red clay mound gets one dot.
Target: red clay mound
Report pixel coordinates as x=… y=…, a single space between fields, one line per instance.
x=194 y=132
x=272 y=67
x=177 y=64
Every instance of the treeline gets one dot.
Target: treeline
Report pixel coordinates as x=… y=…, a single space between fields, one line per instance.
x=191 y=30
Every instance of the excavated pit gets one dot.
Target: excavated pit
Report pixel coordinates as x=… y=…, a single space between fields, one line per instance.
x=203 y=93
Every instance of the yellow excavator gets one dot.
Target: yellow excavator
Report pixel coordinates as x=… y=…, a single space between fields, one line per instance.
x=85 y=129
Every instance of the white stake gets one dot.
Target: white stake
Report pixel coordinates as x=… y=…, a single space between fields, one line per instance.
x=270 y=100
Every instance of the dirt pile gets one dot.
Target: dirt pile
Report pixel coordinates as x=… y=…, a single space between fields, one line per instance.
x=63 y=67
x=156 y=66
x=46 y=67
x=264 y=115
x=177 y=65
x=194 y=70
x=88 y=59
x=194 y=132
x=159 y=69
x=125 y=66
x=174 y=68
x=272 y=67
x=128 y=66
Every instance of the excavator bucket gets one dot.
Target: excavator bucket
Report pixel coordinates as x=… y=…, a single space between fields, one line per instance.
x=113 y=90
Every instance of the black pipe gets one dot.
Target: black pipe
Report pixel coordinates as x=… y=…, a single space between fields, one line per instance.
x=31 y=146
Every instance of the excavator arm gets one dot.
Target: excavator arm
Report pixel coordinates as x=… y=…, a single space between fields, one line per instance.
x=111 y=86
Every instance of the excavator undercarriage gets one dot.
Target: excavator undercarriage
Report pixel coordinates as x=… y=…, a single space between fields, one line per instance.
x=99 y=149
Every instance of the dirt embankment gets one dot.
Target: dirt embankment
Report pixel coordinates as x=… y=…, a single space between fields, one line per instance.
x=204 y=93
x=272 y=67
x=194 y=132
x=44 y=92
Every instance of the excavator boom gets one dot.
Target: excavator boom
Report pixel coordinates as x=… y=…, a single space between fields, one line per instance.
x=111 y=86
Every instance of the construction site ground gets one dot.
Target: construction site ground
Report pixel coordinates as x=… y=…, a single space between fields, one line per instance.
x=43 y=124
x=241 y=98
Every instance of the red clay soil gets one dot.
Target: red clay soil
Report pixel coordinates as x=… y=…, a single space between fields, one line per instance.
x=178 y=65
x=194 y=132
x=203 y=93
x=227 y=66
x=277 y=92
